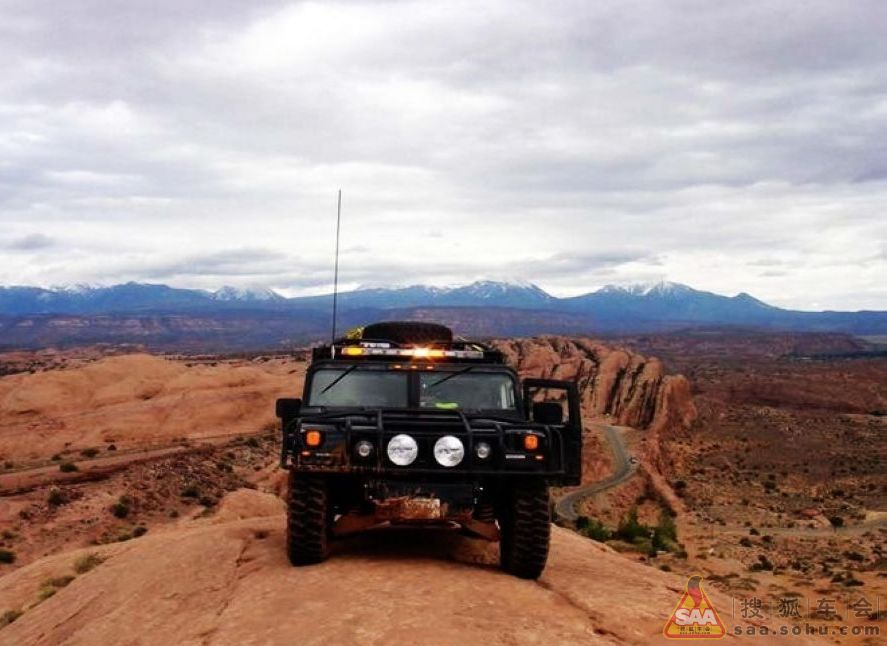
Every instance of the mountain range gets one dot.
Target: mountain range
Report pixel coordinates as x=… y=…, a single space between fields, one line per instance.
x=139 y=312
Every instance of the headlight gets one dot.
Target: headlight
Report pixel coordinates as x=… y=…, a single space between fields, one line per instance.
x=402 y=450
x=482 y=450
x=448 y=451
x=363 y=448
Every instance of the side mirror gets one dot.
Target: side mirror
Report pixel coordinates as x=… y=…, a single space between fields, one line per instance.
x=548 y=413
x=288 y=408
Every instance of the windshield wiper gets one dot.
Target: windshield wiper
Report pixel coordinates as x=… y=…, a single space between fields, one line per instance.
x=344 y=374
x=450 y=376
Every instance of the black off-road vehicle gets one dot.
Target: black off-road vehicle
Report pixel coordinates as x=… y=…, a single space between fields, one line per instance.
x=400 y=424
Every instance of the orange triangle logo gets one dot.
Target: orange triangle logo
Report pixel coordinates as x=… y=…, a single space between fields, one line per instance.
x=694 y=617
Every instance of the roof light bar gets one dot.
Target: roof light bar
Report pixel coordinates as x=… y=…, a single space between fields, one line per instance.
x=416 y=353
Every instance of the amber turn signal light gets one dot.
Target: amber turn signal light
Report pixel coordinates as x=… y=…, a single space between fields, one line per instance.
x=312 y=438
x=531 y=442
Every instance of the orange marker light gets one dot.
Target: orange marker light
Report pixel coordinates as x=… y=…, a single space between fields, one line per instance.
x=531 y=442
x=312 y=438
x=352 y=352
x=420 y=352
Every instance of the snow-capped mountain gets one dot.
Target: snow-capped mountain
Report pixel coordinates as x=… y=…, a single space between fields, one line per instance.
x=82 y=299
x=623 y=308
x=246 y=294
x=482 y=293
x=660 y=288
x=669 y=302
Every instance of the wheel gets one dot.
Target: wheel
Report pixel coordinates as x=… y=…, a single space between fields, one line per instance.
x=307 y=519
x=525 y=525
x=408 y=332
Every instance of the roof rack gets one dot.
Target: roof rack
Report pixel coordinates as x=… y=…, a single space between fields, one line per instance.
x=460 y=351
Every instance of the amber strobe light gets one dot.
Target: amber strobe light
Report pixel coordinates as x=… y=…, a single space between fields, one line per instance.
x=531 y=442
x=312 y=438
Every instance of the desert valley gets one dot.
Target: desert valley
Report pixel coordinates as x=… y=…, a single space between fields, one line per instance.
x=754 y=459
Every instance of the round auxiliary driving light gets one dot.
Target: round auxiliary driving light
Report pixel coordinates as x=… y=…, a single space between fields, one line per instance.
x=448 y=451
x=402 y=450
x=482 y=450
x=363 y=448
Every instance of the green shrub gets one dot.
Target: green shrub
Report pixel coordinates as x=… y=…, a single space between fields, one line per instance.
x=120 y=510
x=55 y=497
x=762 y=564
x=68 y=467
x=593 y=529
x=90 y=452
x=665 y=534
x=7 y=556
x=9 y=616
x=87 y=562
x=141 y=530
x=44 y=593
x=191 y=491
x=630 y=528
x=57 y=582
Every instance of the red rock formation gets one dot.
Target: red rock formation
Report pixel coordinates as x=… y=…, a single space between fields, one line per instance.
x=631 y=388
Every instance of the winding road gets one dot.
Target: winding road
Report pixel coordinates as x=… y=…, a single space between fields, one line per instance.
x=625 y=467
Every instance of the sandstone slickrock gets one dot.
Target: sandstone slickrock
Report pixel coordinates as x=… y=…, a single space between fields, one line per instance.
x=228 y=582
x=137 y=399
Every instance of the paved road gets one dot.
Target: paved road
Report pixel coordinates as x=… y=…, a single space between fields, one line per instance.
x=565 y=509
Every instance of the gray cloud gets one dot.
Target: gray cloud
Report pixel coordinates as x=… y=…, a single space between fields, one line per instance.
x=570 y=143
x=32 y=242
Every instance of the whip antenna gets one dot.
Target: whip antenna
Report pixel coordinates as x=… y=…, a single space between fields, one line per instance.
x=336 y=272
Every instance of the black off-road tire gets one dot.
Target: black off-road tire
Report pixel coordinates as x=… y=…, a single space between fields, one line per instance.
x=307 y=519
x=408 y=332
x=525 y=526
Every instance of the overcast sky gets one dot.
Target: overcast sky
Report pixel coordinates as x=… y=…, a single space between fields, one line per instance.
x=732 y=146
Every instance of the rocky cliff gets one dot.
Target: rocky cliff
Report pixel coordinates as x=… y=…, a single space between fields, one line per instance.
x=632 y=389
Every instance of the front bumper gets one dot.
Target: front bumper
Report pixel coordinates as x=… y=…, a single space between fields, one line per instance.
x=337 y=452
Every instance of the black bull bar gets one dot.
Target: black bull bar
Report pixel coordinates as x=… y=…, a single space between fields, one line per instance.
x=343 y=429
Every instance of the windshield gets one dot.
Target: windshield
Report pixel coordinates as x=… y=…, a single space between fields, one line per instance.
x=358 y=388
x=468 y=390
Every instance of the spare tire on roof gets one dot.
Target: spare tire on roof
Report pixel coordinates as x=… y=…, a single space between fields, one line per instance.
x=408 y=332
